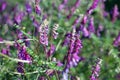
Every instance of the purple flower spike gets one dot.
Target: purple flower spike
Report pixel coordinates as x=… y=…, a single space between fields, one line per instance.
x=74 y=48
x=93 y=6
x=43 y=30
x=51 y=50
x=91 y=27
x=3 y=6
x=67 y=39
x=38 y=9
x=96 y=70
x=28 y=8
x=115 y=13
x=23 y=54
x=85 y=32
x=18 y=17
x=116 y=42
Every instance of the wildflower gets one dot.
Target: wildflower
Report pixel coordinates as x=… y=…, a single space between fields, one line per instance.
x=28 y=8
x=54 y=31
x=116 y=42
x=96 y=70
x=18 y=17
x=93 y=6
x=62 y=5
x=67 y=39
x=65 y=76
x=38 y=9
x=23 y=55
x=5 y=51
x=35 y=22
x=74 y=48
x=85 y=32
x=51 y=50
x=115 y=13
x=43 y=30
x=3 y=6
x=100 y=29
x=91 y=27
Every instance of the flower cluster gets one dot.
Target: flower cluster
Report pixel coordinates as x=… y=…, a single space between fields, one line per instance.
x=96 y=70
x=43 y=30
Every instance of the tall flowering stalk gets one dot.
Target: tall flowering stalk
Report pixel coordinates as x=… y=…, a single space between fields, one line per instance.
x=23 y=55
x=96 y=70
x=115 y=13
x=37 y=7
x=43 y=30
x=74 y=48
x=91 y=27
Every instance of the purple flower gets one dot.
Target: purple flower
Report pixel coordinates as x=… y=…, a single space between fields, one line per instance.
x=23 y=54
x=43 y=30
x=116 y=42
x=59 y=63
x=35 y=22
x=63 y=4
x=93 y=6
x=3 y=6
x=67 y=39
x=51 y=50
x=96 y=70
x=85 y=32
x=5 y=51
x=20 y=67
x=100 y=29
x=115 y=13
x=76 y=21
x=38 y=9
x=91 y=27
x=28 y=8
x=19 y=17
x=74 y=48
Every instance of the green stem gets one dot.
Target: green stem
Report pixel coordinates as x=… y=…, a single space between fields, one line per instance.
x=57 y=75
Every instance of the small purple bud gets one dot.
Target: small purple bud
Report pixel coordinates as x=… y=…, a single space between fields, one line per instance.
x=28 y=8
x=59 y=63
x=116 y=42
x=38 y=9
x=5 y=51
